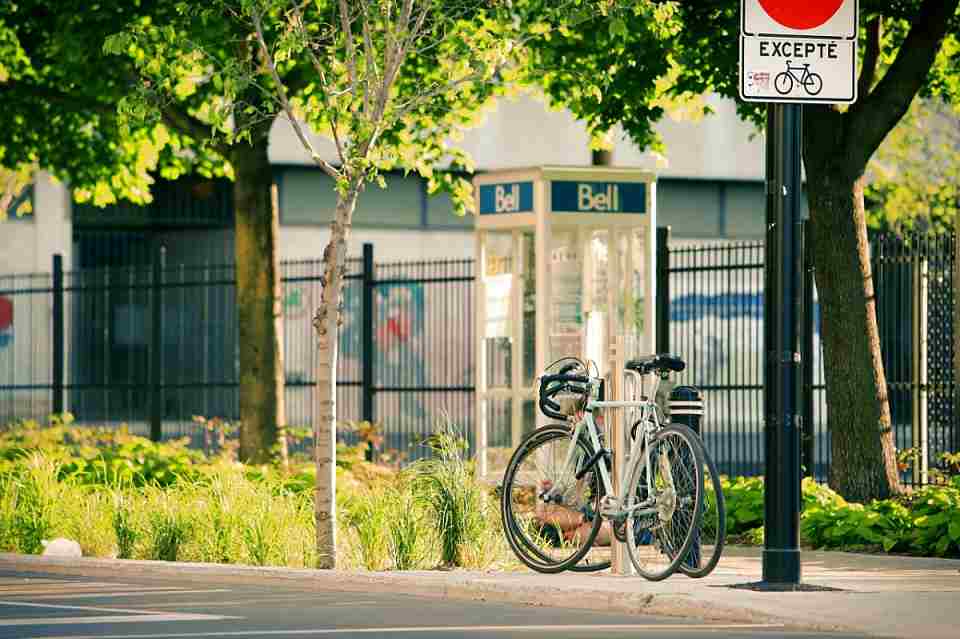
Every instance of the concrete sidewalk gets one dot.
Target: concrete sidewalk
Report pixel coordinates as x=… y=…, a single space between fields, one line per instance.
x=875 y=594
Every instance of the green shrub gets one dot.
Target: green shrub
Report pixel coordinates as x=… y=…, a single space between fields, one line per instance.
x=168 y=525
x=744 y=502
x=34 y=493
x=459 y=503
x=367 y=516
x=936 y=512
x=408 y=535
x=125 y=529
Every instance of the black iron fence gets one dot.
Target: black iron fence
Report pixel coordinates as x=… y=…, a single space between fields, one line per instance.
x=153 y=346
x=716 y=322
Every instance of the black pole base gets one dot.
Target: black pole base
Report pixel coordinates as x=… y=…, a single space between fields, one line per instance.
x=766 y=586
x=781 y=566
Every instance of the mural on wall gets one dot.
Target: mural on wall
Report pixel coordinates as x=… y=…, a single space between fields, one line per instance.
x=399 y=360
x=6 y=322
x=728 y=331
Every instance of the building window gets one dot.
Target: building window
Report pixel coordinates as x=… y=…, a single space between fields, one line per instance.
x=307 y=197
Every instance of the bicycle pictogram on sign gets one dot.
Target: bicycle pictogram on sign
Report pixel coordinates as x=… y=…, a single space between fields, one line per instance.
x=811 y=82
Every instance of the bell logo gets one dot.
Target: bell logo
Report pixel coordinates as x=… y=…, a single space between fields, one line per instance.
x=507 y=201
x=606 y=200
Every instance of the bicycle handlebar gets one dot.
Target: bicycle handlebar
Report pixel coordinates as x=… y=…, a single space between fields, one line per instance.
x=551 y=385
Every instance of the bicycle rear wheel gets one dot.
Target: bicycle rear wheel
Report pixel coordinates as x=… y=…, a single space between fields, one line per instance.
x=664 y=509
x=711 y=533
x=555 y=536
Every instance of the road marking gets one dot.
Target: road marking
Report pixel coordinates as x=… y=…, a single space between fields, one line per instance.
x=135 y=593
x=598 y=628
x=298 y=600
x=62 y=621
x=58 y=585
x=26 y=604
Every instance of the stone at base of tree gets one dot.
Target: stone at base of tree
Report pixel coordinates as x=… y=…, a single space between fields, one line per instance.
x=61 y=547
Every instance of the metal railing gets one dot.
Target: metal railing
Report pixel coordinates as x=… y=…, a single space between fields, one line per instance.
x=155 y=345
x=152 y=346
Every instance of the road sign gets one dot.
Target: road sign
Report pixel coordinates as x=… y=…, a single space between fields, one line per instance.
x=798 y=51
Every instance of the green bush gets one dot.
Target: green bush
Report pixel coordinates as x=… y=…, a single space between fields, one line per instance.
x=744 y=501
x=110 y=456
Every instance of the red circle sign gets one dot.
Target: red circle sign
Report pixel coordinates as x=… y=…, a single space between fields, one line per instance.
x=801 y=15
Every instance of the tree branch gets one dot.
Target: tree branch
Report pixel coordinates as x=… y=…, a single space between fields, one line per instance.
x=872 y=117
x=282 y=93
x=351 y=50
x=321 y=74
x=179 y=120
x=871 y=54
x=370 y=54
x=52 y=95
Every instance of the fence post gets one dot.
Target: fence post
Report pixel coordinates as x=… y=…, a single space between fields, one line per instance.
x=156 y=343
x=367 y=337
x=918 y=373
x=663 y=290
x=58 y=342
x=808 y=429
x=956 y=331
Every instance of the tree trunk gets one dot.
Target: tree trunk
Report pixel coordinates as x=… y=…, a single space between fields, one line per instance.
x=258 y=303
x=326 y=323
x=863 y=464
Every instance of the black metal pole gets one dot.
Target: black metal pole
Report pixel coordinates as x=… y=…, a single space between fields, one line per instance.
x=367 y=338
x=58 y=355
x=806 y=357
x=663 y=289
x=156 y=344
x=781 y=554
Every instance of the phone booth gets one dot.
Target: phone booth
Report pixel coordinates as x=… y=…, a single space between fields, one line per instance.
x=565 y=267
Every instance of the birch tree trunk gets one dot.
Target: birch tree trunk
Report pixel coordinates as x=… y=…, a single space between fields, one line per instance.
x=326 y=323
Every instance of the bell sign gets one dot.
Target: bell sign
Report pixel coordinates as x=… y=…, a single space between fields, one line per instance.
x=798 y=51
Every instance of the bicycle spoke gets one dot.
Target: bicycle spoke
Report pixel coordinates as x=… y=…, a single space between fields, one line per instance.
x=549 y=535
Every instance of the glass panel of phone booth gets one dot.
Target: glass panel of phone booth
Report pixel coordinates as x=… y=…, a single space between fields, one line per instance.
x=528 y=305
x=597 y=299
x=499 y=436
x=498 y=322
x=565 y=323
x=525 y=416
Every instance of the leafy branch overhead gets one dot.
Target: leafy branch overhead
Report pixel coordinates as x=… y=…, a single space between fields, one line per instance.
x=391 y=84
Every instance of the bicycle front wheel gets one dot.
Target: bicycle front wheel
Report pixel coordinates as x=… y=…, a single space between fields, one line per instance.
x=711 y=533
x=550 y=517
x=664 y=501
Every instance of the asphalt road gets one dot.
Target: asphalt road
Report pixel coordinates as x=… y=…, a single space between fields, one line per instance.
x=35 y=606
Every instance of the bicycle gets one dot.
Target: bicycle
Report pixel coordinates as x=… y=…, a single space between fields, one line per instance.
x=560 y=475
x=810 y=81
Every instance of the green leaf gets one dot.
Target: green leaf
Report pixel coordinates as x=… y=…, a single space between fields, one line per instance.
x=954 y=530
x=618 y=27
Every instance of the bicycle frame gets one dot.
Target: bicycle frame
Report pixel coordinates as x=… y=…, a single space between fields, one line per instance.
x=649 y=421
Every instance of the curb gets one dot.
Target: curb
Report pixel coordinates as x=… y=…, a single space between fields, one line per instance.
x=470 y=586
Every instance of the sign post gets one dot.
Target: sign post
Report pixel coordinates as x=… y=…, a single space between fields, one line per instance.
x=791 y=53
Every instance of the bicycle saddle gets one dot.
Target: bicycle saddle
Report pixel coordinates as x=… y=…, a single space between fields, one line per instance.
x=660 y=362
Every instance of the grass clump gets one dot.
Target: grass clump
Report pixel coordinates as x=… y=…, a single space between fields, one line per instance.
x=459 y=503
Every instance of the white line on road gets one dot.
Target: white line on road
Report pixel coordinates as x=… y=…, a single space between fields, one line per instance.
x=298 y=601
x=134 y=593
x=62 y=621
x=25 y=604
x=598 y=628
x=46 y=586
